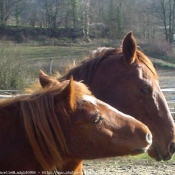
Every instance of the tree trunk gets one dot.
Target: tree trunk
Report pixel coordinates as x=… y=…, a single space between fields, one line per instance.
x=86 y=20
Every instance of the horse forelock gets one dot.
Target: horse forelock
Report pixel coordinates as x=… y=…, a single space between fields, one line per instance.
x=142 y=58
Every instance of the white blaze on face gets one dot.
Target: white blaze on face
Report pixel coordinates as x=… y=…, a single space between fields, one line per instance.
x=95 y=101
x=90 y=99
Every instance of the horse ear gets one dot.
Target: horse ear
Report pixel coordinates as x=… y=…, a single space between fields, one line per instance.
x=69 y=93
x=129 y=47
x=45 y=80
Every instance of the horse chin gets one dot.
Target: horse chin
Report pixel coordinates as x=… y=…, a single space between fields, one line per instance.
x=155 y=153
x=139 y=151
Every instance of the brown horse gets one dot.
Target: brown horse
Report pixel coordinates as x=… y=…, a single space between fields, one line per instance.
x=59 y=126
x=126 y=79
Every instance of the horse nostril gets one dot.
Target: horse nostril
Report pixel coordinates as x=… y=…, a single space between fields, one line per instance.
x=172 y=147
x=149 y=138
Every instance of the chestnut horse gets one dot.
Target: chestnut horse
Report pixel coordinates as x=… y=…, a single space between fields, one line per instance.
x=126 y=79
x=60 y=125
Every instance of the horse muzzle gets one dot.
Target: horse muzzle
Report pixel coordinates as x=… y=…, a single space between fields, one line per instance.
x=155 y=152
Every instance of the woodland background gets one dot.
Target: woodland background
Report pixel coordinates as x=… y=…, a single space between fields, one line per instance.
x=49 y=29
x=149 y=19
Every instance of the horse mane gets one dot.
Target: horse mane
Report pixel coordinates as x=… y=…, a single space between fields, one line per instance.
x=43 y=128
x=87 y=68
x=141 y=57
x=42 y=125
x=101 y=51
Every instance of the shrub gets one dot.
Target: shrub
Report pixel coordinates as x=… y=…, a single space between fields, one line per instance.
x=159 y=47
x=13 y=69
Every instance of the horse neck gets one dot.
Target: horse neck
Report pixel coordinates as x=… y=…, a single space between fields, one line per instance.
x=9 y=120
x=10 y=111
x=73 y=165
x=69 y=164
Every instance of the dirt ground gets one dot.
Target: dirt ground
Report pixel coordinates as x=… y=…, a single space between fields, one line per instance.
x=134 y=166
x=166 y=78
x=128 y=166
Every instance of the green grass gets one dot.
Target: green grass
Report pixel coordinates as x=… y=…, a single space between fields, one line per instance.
x=33 y=58
x=54 y=52
x=75 y=52
x=146 y=157
x=45 y=52
x=142 y=156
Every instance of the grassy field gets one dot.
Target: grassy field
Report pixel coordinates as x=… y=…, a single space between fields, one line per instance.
x=34 y=57
x=60 y=53
x=44 y=52
x=30 y=59
x=54 y=52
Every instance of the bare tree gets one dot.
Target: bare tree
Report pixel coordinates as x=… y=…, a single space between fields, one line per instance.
x=164 y=10
x=86 y=20
x=111 y=17
x=75 y=12
x=9 y=8
x=120 y=30
x=19 y=6
x=51 y=10
x=6 y=9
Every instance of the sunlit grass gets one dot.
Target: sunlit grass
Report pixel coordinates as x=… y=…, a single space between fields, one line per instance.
x=35 y=57
x=45 y=52
x=32 y=58
x=145 y=156
x=32 y=51
x=13 y=72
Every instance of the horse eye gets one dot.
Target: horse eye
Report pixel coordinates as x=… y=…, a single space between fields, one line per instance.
x=98 y=120
x=146 y=90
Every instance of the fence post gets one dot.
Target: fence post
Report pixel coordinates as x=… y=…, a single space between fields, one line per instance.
x=50 y=69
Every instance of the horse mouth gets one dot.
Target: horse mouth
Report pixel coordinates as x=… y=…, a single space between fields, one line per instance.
x=155 y=153
x=140 y=150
